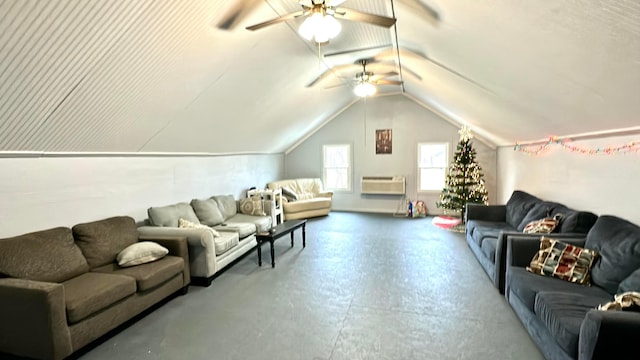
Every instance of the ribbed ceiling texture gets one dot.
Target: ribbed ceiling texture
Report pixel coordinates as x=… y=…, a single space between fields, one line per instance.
x=186 y=76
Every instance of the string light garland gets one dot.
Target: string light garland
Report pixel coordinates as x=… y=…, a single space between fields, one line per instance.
x=537 y=149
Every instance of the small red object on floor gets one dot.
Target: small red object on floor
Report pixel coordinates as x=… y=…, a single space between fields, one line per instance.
x=446 y=222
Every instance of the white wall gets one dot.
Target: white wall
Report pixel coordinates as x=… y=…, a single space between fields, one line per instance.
x=601 y=184
x=411 y=124
x=44 y=192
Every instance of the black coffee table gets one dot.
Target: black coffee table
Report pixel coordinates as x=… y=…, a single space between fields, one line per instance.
x=285 y=228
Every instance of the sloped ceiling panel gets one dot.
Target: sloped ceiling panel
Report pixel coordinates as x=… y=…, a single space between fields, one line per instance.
x=551 y=67
x=161 y=76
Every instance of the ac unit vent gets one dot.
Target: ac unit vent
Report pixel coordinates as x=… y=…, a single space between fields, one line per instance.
x=387 y=185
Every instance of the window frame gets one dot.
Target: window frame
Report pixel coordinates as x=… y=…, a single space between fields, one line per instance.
x=446 y=146
x=349 y=167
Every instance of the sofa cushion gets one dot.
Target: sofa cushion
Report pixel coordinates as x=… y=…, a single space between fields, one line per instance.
x=243 y=229
x=141 y=253
x=482 y=232
x=207 y=211
x=538 y=211
x=563 y=313
x=488 y=248
x=518 y=206
x=225 y=242
x=308 y=204
x=526 y=286
x=147 y=276
x=577 y=222
x=630 y=283
x=101 y=241
x=495 y=227
x=170 y=215
x=262 y=223
x=91 y=292
x=564 y=261
x=618 y=242
x=227 y=205
x=48 y=255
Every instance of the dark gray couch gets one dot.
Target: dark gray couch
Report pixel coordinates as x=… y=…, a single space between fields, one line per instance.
x=60 y=289
x=560 y=316
x=487 y=228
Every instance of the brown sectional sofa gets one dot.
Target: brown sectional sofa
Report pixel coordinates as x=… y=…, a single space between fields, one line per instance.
x=60 y=289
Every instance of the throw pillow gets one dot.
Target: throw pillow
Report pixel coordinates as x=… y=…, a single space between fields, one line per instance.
x=252 y=206
x=542 y=226
x=183 y=223
x=564 y=261
x=289 y=194
x=141 y=253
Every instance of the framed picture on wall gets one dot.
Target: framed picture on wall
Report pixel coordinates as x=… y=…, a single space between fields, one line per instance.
x=383 y=141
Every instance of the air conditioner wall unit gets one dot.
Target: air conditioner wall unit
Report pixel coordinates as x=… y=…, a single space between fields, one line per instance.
x=384 y=185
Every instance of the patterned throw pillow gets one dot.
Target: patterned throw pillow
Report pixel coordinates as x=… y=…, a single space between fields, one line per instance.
x=182 y=223
x=564 y=261
x=252 y=206
x=542 y=226
x=627 y=301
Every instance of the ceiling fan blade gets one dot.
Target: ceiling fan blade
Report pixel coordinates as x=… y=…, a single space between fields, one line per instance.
x=354 y=15
x=335 y=71
x=387 y=82
x=236 y=13
x=276 y=20
x=377 y=77
x=422 y=9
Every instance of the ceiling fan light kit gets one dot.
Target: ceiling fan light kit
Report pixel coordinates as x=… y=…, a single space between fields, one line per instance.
x=365 y=89
x=320 y=27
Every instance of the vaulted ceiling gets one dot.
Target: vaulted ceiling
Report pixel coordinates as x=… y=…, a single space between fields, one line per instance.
x=176 y=76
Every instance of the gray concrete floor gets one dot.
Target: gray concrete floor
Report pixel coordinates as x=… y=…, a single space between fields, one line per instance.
x=367 y=286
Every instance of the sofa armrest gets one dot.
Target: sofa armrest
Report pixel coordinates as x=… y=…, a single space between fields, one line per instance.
x=327 y=194
x=33 y=320
x=485 y=212
x=195 y=236
x=177 y=246
x=605 y=333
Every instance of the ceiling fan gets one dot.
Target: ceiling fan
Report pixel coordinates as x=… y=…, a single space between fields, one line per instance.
x=365 y=81
x=320 y=23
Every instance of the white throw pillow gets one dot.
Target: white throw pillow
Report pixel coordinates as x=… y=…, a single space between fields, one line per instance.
x=141 y=253
x=182 y=223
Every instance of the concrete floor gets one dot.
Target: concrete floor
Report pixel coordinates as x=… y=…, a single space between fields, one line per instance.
x=367 y=286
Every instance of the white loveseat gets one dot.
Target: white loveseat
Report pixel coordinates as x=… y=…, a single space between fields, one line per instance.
x=222 y=234
x=303 y=198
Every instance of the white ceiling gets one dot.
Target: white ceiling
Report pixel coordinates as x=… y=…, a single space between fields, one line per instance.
x=161 y=76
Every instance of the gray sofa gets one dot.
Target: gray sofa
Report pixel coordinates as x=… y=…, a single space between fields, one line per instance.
x=561 y=316
x=209 y=251
x=60 y=288
x=488 y=227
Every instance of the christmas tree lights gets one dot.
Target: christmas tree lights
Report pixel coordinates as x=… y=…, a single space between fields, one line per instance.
x=464 y=182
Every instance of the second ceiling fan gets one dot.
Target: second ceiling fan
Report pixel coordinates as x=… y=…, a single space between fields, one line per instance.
x=320 y=23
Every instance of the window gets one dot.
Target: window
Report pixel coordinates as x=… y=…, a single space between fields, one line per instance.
x=432 y=166
x=337 y=167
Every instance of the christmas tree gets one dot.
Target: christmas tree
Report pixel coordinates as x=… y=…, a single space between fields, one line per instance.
x=464 y=183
